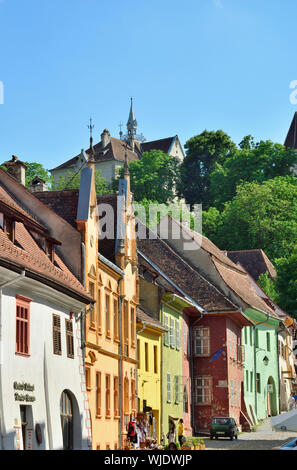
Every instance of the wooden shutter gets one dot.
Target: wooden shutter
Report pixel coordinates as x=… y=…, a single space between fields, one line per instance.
x=172 y=333
x=22 y=340
x=69 y=338
x=177 y=332
x=166 y=335
x=57 y=345
x=168 y=388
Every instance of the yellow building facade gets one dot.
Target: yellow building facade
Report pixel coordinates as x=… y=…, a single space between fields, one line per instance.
x=110 y=328
x=149 y=337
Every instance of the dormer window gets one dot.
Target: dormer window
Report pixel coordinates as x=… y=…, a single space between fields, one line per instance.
x=9 y=228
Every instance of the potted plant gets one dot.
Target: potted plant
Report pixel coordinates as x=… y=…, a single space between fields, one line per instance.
x=188 y=445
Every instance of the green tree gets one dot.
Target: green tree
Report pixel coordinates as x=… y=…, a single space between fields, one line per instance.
x=153 y=177
x=203 y=151
x=34 y=170
x=253 y=162
x=261 y=215
x=72 y=181
x=286 y=283
x=268 y=285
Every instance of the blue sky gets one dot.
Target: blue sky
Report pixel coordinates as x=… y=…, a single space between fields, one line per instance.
x=190 y=66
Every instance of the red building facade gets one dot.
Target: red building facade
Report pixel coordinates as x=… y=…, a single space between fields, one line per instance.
x=217 y=368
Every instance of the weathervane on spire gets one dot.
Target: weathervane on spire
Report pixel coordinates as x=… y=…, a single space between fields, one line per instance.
x=91 y=127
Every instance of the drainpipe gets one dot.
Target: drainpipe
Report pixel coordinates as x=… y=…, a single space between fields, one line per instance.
x=255 y=361
x=278 y=370
x=121 y=297
x=191 y=329
x=2 y=286
x=162 y=436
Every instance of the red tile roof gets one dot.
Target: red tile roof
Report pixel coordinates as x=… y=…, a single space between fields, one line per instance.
x=184 y=276
x=31 y=257
x=255 y=262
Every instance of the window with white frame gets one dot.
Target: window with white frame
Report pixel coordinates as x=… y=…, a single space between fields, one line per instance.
x=201 y=341
x=168 y=388
x=203 y=390
x=172 y=333
x=176 y=388
x=177 y=334
x=166 y=334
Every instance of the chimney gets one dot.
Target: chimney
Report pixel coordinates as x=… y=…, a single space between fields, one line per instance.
x=17 y=169
x=37 y=185
x=105 y=138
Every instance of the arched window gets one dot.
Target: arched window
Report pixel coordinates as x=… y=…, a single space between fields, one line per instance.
x=66 y=420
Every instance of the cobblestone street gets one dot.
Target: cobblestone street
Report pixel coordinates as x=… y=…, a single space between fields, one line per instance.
x=263 y=439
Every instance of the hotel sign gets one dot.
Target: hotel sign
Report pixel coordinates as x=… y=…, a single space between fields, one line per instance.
x=23 y=387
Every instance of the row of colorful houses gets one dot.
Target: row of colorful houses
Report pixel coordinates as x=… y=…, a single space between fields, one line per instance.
x=102 y=319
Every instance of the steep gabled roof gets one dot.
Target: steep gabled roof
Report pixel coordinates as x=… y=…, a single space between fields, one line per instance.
x=160 y=144
x=234 y=276
x=183 y=275
x=255 y=262
x=291 y=139
x=63 y=202
x=26 y=254
x=116 y=148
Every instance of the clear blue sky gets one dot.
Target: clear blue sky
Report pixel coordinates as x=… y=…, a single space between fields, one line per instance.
x=190 y=65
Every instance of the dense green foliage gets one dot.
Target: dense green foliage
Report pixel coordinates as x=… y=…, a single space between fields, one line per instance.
x=286 y=283
x=203 y=152
x=256 y=162
x=72 y=181
x=261 y=215
x=154 y=177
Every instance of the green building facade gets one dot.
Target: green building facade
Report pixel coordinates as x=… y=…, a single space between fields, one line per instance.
x=171 y=364
x=261 y=366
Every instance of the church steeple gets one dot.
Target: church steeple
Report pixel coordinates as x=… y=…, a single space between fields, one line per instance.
x=131 y=123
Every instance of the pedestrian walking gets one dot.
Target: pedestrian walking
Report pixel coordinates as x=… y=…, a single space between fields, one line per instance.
x=291 y=402
x=171 y=433
x=295 y=398
x=180 y=431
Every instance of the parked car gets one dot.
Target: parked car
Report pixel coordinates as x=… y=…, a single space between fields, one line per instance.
x=290 y=445
x=223 y=427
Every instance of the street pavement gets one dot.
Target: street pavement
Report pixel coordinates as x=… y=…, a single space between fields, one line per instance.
x=264 y=438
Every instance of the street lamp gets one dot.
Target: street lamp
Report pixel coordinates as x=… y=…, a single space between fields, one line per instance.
x=266 y=361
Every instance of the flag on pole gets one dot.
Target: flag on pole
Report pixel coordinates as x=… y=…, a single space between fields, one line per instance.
x=216 y=355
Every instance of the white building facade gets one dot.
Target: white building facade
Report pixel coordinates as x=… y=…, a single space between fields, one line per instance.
x=43 y=401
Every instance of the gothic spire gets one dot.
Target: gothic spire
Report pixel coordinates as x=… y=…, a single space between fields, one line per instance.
x=132 y=123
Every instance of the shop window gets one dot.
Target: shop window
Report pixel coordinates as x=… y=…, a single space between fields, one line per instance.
x=57 y=344
x=22 y=345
